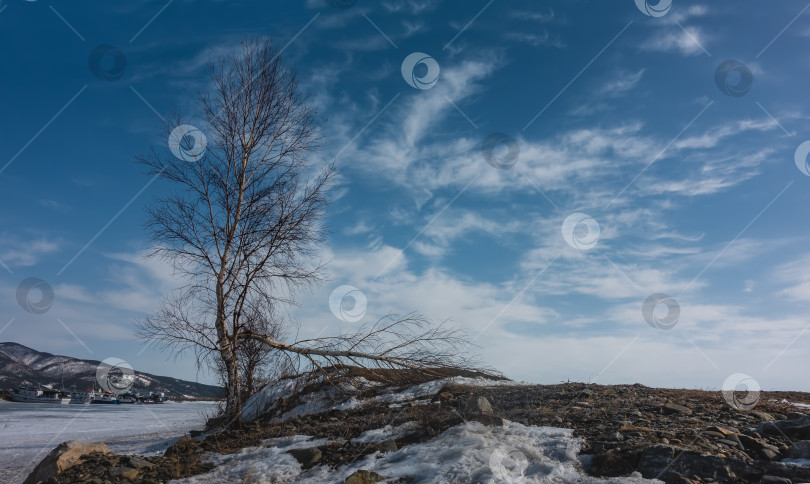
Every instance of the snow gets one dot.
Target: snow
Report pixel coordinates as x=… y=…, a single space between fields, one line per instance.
x=385 y=433
x=28 y=431
x=264 y=400
x=468 y=452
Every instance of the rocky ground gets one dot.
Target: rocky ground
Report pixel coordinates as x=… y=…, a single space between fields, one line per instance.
x=673 y=435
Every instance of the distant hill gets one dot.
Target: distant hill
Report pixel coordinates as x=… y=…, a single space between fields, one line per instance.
x=20 y=365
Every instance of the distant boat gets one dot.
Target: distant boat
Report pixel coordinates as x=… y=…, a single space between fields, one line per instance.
x=82 y=398
x=152 y=398
x=32 y=395
x=126 y=398
x=104 y=398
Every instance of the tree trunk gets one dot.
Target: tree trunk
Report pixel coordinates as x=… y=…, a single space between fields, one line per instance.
x=233 y=400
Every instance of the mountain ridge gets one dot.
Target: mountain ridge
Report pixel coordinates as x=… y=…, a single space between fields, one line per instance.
x=24 y=366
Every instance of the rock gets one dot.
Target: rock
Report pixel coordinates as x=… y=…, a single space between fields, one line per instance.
x=799 y=450
x=768 y=454
x=671 y=408
x=138 y=463
x=797 y=426
x=62 y=457
x=587 y=392
x=389 y=445
x=654 y=460
x=727 y=442
x=713 y=434
x=479 y=406
x=123 y=472
x=765 y=417
x=306 y=457
x=775 y=480
x=364 y=477
x=488 y=420
x=750 y=443
x=664 y=462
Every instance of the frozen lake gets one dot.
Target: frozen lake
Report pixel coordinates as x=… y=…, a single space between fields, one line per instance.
x=28 y=431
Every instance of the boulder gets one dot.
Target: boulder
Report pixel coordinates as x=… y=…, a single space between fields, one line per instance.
x=479 y=406
x=62 y=457
x=306 y=457
x=364 y=477
x=796 y=426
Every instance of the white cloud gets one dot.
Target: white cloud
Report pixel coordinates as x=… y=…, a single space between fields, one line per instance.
x=795 y=275
x=686 y=41
x=624 y=82
x=536 y=38
x=17 y=253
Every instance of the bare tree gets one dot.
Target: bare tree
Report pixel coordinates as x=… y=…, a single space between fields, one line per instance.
x=243 y=226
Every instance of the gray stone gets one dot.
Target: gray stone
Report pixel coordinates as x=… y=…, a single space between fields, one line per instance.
x=479 y=406
x=799 y=450
x=775 y=480
x=306 y=457
x=670 y=408
x=797 y=426
x=138 y=463
x=389 y=445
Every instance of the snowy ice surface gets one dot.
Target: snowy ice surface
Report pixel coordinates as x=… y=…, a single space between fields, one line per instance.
x=466 y=453
x=28 y=431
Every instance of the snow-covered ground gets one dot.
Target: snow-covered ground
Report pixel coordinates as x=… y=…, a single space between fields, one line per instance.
x=466 y=453
x=28 y=431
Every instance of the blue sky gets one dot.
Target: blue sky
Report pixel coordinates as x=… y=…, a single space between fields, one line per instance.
x=634 y=121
